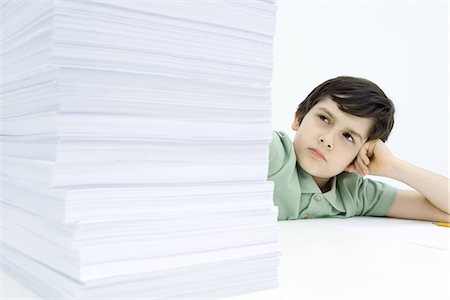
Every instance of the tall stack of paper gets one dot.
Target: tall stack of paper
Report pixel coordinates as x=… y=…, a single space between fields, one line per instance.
x=135 y=148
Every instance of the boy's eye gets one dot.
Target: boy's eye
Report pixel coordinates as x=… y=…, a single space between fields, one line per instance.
x=325 y=119
x=349 y=137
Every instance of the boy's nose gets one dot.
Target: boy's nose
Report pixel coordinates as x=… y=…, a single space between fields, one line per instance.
x=327 y=142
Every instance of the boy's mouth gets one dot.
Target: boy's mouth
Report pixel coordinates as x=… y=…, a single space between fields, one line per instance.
x=317 y=153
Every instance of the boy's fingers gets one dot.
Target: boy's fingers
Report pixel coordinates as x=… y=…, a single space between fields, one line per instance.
x=362 y=166
x=363 y=154
x=365 y=159
x=350 y=169
x=358 y=168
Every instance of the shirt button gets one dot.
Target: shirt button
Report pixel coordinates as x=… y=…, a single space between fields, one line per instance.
x=307 y=215
x=317 y=198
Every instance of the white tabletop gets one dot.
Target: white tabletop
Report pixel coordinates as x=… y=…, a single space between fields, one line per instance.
x=359 y=258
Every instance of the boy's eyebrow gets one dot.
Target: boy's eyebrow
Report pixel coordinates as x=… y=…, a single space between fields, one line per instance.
x=348 y=129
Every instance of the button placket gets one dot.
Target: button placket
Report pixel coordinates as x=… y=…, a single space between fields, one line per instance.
x=314 y=206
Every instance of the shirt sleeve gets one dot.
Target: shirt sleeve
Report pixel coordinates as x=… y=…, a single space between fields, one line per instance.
x=366 y=197
x=278 y=152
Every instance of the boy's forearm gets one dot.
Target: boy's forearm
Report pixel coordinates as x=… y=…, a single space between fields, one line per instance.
x=432 y=186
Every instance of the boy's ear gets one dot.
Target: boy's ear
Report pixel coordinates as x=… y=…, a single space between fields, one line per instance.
x=296 y=124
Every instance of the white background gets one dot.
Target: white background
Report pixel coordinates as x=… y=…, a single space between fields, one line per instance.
x=401 y=46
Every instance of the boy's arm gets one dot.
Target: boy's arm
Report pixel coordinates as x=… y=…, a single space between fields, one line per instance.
x=410 y=204
x=429 y=201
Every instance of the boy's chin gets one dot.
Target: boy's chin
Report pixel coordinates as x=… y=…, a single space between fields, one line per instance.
x=315 y=172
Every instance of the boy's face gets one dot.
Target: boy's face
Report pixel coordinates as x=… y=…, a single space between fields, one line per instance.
x=328 y=140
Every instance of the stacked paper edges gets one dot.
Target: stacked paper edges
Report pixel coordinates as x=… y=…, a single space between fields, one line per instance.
x=134 y=148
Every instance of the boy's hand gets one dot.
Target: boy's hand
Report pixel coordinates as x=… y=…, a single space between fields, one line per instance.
x=374 y=158
x=429 y=201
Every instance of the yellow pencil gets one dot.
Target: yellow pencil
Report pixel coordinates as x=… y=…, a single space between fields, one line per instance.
x=445 y=224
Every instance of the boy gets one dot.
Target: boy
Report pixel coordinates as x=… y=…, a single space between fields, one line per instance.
x=340 y=129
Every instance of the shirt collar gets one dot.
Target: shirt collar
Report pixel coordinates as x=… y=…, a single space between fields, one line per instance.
x=332 y=198
x=309 y=186
x=307 y=183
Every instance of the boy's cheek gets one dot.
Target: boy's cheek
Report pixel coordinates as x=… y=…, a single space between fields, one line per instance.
x=348 y=163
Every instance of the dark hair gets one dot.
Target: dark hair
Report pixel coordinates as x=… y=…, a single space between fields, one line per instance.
x=356 y=96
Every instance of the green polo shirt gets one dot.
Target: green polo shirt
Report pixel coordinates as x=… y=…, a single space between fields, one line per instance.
x=298 y=197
